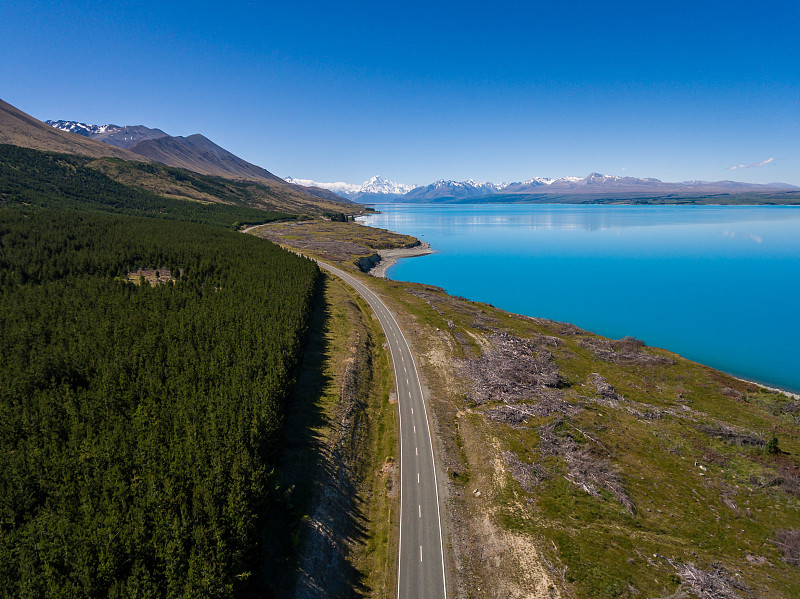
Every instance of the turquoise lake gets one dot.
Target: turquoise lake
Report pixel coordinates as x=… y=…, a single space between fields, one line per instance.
x=719 y=285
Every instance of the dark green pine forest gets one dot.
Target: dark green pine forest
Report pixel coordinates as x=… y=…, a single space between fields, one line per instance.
x=141 y=420
x=64 y=181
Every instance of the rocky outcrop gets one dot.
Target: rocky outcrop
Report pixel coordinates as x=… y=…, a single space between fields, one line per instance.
x=367 y=263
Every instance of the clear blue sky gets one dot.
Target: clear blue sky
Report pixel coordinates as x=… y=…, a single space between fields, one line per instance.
x=499 y=91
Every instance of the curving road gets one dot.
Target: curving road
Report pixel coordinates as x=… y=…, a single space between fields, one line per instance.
x=420 y=571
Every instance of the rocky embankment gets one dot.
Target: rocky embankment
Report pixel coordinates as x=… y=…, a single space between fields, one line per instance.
x=379 y=262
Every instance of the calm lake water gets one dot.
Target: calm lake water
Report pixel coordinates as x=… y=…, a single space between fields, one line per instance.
x=718 y=285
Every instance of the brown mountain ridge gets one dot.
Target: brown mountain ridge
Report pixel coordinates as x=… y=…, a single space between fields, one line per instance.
x=246 y=183
x=199 y=154
x=195 y=153
x=20 y=129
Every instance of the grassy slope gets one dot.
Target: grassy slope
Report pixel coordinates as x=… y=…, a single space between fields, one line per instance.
x=31 y=178
x=182 y=184
x=603 y=492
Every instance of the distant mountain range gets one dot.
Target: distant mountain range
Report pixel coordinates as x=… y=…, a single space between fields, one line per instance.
x=375 y=190
x=593 y=187
x=201 y=155
x=195 y=153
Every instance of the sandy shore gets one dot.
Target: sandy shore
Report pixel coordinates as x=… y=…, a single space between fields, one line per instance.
x=390 y=257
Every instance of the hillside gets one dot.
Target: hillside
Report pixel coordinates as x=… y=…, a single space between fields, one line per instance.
x=199 y=154
x=20 y=129
x=194 y=152
x=30 y=178
x=187 y=185
x=134 y=170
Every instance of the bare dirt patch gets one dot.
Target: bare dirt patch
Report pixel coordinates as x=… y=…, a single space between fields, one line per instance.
x=516 y=566
x=389 y=473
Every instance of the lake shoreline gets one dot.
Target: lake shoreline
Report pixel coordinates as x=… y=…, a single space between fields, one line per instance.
x=559 y=261
x=786 y=392
x=390 y=257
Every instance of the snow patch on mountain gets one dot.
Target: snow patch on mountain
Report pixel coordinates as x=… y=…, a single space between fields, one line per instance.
x=114 y=135
x=83 y=128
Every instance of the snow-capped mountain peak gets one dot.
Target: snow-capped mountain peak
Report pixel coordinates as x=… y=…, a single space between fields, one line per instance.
x=376 y=185
x=378 y=189
x=468 y=184
x=339 y=187
x=538 y=181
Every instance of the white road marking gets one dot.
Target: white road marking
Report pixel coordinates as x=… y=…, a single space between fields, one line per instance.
x=417 y=477
x=378 y=306
x=415 y=429
x=420 y=510
x=415 y=451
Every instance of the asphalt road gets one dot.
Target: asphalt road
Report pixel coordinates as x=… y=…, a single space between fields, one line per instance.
x=421 y=559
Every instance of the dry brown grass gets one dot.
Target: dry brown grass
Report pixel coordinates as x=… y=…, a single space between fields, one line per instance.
x=337 y=242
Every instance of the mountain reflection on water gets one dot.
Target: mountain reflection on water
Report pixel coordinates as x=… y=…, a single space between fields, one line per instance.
x=569 y=216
